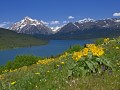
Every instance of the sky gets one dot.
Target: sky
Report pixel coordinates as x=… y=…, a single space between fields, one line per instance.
x=57 y=12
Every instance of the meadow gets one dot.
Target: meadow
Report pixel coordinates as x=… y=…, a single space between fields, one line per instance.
x=92 y=67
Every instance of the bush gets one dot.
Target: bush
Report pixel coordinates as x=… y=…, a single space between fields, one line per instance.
x=1 y=69
x=74 y=48
x=21 y=61
x=99 y=41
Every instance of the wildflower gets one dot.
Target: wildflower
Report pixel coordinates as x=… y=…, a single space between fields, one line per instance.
x=11 y=70
x=37 y=73
x=117 y=47
x=6 y=71
x=48 y=71
x=62 y=63
x=95 y=50
x=106 y=40
x=85 y=51
x=77 y=55
x=13 y=82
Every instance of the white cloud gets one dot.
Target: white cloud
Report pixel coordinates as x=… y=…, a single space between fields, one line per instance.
x=65 y=22
x=54 y=22
x=71 y=17
x=2 y=25
x=116 y=14
x=5 y=24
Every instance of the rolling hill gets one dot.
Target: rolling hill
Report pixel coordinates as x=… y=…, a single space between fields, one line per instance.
x=11 y=39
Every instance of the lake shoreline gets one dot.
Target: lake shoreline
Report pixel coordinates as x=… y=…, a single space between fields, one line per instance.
x=53 y=48
x=10 y=48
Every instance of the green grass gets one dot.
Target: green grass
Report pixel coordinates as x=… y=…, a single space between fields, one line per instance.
x=54 y=77
x=10 y=39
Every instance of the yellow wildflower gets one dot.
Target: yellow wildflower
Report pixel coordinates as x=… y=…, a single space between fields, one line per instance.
x=48 y=71
x=106 y=40
x=90 y=45
x=45 y=61
x=62 y=63
x=13 y=82
x=37 y=73
x=77 y=55
x=95 y=50
x=85 y=51
x=117 y=47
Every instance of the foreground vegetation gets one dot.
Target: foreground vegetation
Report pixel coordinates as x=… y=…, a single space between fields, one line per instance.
x=10 y=39
x=92 y=67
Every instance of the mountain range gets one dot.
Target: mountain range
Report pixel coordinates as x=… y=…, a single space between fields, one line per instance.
x=82 y=29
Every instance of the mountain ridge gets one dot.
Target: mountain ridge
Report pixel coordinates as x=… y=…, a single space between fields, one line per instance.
x=80 y=29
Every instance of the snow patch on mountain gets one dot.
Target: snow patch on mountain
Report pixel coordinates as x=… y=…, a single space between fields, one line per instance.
x=26 y=21
x=86 y=20
x=31 y=26
x=117 y=21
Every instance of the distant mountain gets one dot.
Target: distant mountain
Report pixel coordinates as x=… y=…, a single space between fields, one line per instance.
x=89 y=28
x=87 y=24
x=11 y=39
x=81 y=29
x=30 y=26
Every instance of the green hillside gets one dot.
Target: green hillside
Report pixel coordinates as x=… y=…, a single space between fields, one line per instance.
x=10 y=39
x=92 y=67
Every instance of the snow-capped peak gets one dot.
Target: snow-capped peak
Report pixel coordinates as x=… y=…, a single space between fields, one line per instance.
x=26 y=21
x=86 y=20
x=30 y=26
x=28 y=18
x=56 y=29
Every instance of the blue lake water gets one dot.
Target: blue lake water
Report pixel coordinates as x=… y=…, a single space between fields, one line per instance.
x=54 y=47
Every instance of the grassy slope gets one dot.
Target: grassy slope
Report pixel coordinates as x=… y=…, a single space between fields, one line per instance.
x=51 y=77
x=10 y=39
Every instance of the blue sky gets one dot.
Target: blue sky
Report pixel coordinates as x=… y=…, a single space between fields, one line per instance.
x=57 y=11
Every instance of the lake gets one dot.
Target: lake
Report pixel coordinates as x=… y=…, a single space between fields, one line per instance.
x=54 y=47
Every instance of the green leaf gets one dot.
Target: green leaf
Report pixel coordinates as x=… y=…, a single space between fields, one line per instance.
x=90 y=65
x=69 y=73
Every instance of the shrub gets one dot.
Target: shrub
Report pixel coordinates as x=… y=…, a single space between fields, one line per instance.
x=74 y=48
x=21 y=61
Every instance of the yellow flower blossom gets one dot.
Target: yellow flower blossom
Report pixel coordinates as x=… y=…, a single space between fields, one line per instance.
x=37 y=73
x=95 y=50
x=13 y=82
x=117 y=47
x=85 y=51
x=62 y=63
x=106 y=40
x=48 y=71
x=46 y=61
x=77 y=55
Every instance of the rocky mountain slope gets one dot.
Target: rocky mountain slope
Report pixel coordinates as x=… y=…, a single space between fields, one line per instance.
x=30 y=26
